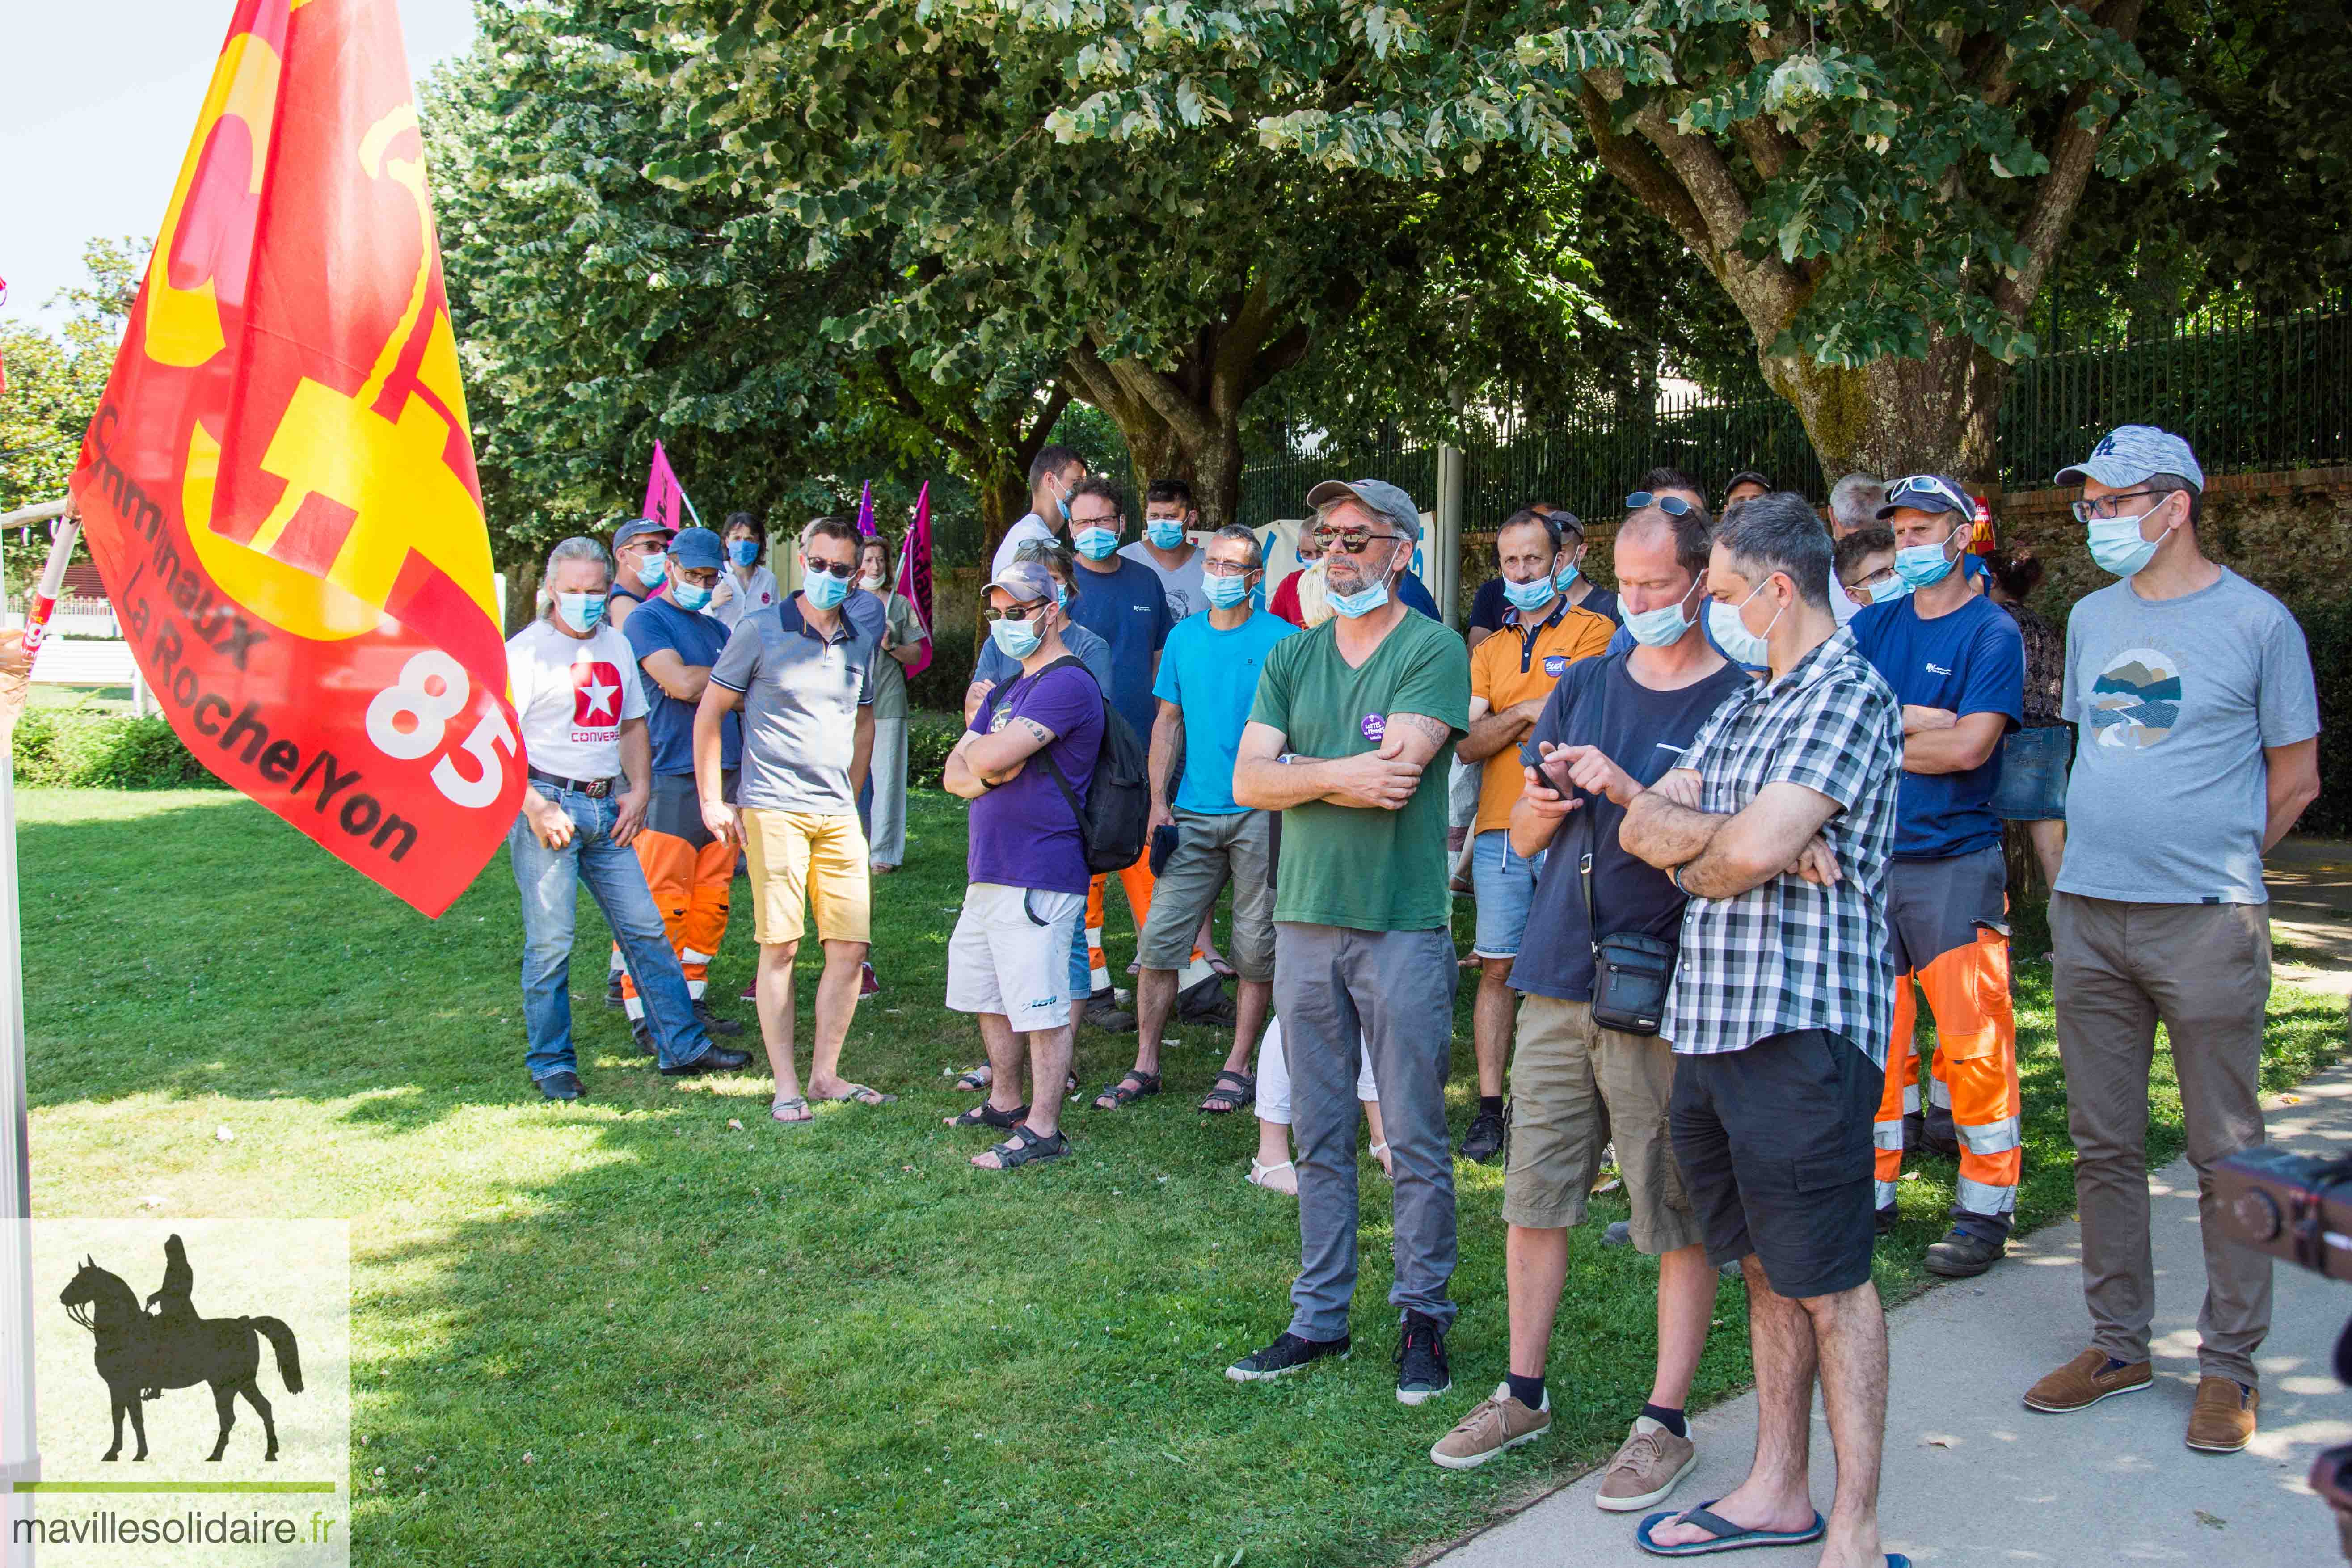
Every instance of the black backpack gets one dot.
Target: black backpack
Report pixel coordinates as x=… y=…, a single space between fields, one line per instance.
x=1116 y=820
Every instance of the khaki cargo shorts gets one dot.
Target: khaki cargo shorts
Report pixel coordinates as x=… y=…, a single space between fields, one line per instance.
x=1574 y=1088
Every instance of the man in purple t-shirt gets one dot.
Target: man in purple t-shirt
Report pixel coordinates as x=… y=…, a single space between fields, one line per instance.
x=1009 y=960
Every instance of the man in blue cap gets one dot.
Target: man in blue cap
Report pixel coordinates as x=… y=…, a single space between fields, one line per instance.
x=687 y=870
x=640 y=567
x=2198 y=747
x=1956 y=663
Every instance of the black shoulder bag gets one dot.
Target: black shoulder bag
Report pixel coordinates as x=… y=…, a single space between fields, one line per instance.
x=1631 y=972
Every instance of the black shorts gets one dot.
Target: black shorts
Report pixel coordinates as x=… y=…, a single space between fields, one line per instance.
x=1775 y=1150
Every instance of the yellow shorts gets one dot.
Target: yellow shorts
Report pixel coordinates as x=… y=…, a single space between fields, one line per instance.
x=794 y=853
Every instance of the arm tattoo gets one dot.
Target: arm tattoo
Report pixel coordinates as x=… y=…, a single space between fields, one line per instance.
x=1435 y=729
x=1044 y=735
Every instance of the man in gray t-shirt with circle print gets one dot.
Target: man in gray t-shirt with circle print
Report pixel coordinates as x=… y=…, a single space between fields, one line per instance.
x=2199 y=749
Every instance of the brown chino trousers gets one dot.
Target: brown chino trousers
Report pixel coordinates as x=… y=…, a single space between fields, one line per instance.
x=2205 y=971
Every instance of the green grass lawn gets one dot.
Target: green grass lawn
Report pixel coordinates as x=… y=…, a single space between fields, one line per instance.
x=625 y=1331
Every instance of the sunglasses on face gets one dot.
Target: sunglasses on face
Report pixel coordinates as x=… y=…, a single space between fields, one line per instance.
x=845 y=570
x=1018 y=611
x=2104 y=507
x=1673 y=506
x=1354 y=541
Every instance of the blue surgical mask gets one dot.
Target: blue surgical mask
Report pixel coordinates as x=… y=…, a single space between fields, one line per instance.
x=1061 y=597
x=581 y=611
x=1017 y=639
x=743 y=551
x=1361 y=603
x=1739 y=644
x=1095 y=543
x=1167 y=532
x=1526 y=597
x=1891 y=588
x=1924 y=565
x=653 y=569
x=825 y=590
x=688 y=597
x=1225 y=593
x=1565 y=578
x=1661 y=627
x=2117 y=546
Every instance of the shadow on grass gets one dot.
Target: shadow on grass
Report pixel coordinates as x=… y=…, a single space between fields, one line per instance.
x=628 y=1332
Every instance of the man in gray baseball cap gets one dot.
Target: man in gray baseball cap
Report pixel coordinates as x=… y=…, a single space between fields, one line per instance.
x=1348 y=738
x=1386 y=500
x=2199 y=725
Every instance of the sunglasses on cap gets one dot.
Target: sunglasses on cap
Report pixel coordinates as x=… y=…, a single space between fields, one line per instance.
x=1940 y=497
x=1673 y=506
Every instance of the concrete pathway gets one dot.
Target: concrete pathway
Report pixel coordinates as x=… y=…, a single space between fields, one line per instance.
x=1973 y=1477
x=2310 y=883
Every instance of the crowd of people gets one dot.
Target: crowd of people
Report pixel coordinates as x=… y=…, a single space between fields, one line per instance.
x=1722 y=825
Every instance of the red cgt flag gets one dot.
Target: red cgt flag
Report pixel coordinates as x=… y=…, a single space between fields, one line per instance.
x=278 y=487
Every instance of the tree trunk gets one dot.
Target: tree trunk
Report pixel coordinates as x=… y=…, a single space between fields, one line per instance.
x=1893 y=417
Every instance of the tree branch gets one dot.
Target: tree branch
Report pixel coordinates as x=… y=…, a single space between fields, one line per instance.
x=2061 y=191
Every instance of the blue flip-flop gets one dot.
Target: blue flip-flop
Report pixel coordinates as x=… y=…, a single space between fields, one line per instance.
x=1729 y=1537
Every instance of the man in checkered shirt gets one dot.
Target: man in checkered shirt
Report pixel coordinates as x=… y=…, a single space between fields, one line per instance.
x=1780 y=825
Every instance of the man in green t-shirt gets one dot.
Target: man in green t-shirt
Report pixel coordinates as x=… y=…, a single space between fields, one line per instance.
x=1349 y=738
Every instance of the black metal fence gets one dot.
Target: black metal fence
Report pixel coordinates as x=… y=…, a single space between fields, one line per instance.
x=2249 y=394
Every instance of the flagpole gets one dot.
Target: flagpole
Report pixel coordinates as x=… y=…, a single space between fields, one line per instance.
x=20 y=1458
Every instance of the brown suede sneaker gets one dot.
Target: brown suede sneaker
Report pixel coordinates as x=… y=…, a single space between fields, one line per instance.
x=1651 y=1464
x=1492 y=1425
x=2222 y=1420
x=2085 y=1381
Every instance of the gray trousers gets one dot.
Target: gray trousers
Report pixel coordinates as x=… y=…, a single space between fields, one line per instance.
x=1394 y=990
x=886 y=837
x=2205 y=971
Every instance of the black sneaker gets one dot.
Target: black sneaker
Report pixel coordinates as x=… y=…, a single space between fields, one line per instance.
x=1484 y=1141
x=712 y=1023
x=561 y=1086
x=1289 y=1353
x=1887 y=1219
x=1963 y=1256
x=1111 y=1020
x=612 y=997
x=1207 y=1004
x=1422 y=1373
x=718 y=1058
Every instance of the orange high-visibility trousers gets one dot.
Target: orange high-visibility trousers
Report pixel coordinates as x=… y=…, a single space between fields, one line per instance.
x=691 y=888
x=1138 y=880
x=1974 y=1074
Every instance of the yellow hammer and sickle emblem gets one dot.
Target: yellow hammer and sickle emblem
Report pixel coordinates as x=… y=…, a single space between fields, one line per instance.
x=389 y=471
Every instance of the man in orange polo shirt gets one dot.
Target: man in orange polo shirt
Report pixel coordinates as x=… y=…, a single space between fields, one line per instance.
x=1511 y=677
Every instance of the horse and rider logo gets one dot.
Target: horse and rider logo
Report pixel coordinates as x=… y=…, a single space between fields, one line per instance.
x=143 y=1351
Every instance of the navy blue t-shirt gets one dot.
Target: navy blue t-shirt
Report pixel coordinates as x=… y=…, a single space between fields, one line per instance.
x=1969 y=661
x=1127 y=609
x=1599 y=703
x=1486 y=605
x=696 y=639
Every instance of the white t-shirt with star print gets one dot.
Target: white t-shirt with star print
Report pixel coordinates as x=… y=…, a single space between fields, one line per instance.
x=571 y=695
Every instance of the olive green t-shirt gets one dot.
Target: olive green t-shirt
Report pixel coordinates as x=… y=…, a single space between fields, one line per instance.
x=1350 y=865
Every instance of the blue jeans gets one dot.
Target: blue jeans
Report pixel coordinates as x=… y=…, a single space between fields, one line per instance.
x=549 y=883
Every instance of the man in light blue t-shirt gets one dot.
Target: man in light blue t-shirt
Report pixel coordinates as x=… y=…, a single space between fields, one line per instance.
x=2199 y=722
x=1207 y=681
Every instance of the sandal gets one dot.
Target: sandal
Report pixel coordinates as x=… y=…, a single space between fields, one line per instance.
x=862 y=1094
x=1026 y=1147
x=776 y=1111
x=1233 y=1090
x=975 y=1079
x=986 y=1115
x=1263 y=1176
x=1133 y=1085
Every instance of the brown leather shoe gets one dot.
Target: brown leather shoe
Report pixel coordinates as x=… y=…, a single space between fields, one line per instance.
x=2085 y=1381
x=2222 y=1420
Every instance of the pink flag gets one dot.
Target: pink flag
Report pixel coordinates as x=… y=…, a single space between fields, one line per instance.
x=913 y=581
x=865 y=529
x=663 y=494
